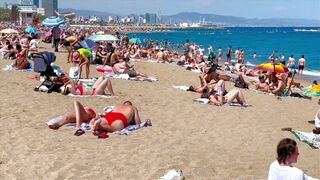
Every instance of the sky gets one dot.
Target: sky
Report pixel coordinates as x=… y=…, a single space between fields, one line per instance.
x=304 y=9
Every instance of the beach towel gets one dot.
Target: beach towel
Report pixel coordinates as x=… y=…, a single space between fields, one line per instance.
x=182 y=87
x=313 y=140
x=85 y=96
x=206 y=101
x=173 y=175
x=85 y=126
x=127 y=77
x=104 y=69
x=11 y=67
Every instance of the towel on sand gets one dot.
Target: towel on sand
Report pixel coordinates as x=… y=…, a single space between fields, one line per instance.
x=182 y=87
x=313 y=140
x=85 y=96
x=127 y=77
x=206 y=101
x=173 y=175
x=11 y=67
x=86 y=127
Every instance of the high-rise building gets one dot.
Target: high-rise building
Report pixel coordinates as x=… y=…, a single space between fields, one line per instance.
x=151 y=18
x=36 y=3
x=26 y=2
x=50 y=6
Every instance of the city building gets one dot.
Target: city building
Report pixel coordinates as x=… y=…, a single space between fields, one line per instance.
x=151 y=18
x=49 y=5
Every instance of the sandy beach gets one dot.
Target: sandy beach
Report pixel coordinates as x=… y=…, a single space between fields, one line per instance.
x=204 y=141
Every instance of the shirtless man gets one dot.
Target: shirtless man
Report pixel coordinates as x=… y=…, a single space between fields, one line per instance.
x=302 y=63
x=68 y=43
x=262 y=85
x=291 y=62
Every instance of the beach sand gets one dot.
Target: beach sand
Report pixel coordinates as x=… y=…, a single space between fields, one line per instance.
x=205 y=142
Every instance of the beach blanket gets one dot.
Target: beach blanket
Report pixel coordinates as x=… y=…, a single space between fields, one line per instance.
x=85 y=126
x=313 y=140
x=206 y=101
x=11 y=67
x=85 y=96
x=182 y=87
x=127 y=77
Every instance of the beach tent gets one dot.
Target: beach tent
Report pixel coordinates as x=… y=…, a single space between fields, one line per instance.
x=135 y=41
x=31 y=30
x=52 y=21
x=9 y=31
x=103 y=37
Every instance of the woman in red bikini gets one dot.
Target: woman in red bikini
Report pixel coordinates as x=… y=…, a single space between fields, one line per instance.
x=102 y=86
x=120 y=117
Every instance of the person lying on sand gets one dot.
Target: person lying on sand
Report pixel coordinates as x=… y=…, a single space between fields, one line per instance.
x=317 y=122
x=102 y=86
x=218 y=98
x=125 y=67
x=203 y=88
x=120 y=117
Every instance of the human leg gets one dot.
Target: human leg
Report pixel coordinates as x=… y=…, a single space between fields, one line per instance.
x=81 y=114
x=69 y=118
x=87 y=69
x=103 y=86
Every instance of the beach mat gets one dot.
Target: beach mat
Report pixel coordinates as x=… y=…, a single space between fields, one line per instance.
x=182 y=87
x=206 y=101
x=85 y=126
x=313 y=140
x=11 y=67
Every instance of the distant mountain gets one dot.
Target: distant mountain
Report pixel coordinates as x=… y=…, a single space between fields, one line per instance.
x=194 y=17
x=87 y=13
x=238 y=21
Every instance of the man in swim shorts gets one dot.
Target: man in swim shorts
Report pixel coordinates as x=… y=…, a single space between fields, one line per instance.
x=302 y=62
x=120 y=117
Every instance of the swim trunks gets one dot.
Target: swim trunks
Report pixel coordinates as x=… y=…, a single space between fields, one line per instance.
x=301 y=67
x=114 y=116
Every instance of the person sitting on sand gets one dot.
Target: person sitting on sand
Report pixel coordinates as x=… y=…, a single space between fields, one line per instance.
x=262 y=85
x=282 y=168
x=124 y=67
x=218 y=98
x=291 y=82
x=235 y=78
x=102 y=86
x=278 y=86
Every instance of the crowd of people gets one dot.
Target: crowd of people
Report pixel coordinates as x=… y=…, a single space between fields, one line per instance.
x=214 y=71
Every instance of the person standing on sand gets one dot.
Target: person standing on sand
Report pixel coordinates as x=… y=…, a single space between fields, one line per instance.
x=228 y=54
x=302 y=63
x=186 y=48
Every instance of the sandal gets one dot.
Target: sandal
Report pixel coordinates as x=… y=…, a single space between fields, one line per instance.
x=79 y=132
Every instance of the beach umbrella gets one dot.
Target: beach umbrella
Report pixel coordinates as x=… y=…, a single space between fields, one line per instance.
x=31 y=30
x=9 y=31
x=88 y=44
x=135 y=41
x=273 y=67
x=53 y=21
x=100 y=32
x=103 y=37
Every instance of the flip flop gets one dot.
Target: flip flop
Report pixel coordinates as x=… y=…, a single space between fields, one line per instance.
x=79 y=132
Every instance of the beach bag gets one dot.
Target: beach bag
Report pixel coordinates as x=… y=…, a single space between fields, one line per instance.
x=241 y=84
x=74 y=72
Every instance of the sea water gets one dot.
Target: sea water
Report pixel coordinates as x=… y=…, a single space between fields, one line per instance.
x=262 y=41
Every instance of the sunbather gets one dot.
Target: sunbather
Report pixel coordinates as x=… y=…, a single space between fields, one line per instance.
x=218 y=98
x=203 y=88
x=124 y=67
x=278 y=86
x=80 y=115
x=317 y=122
x=262 y=85
x=282 y=168
x=120 y=117
x=102 y=86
